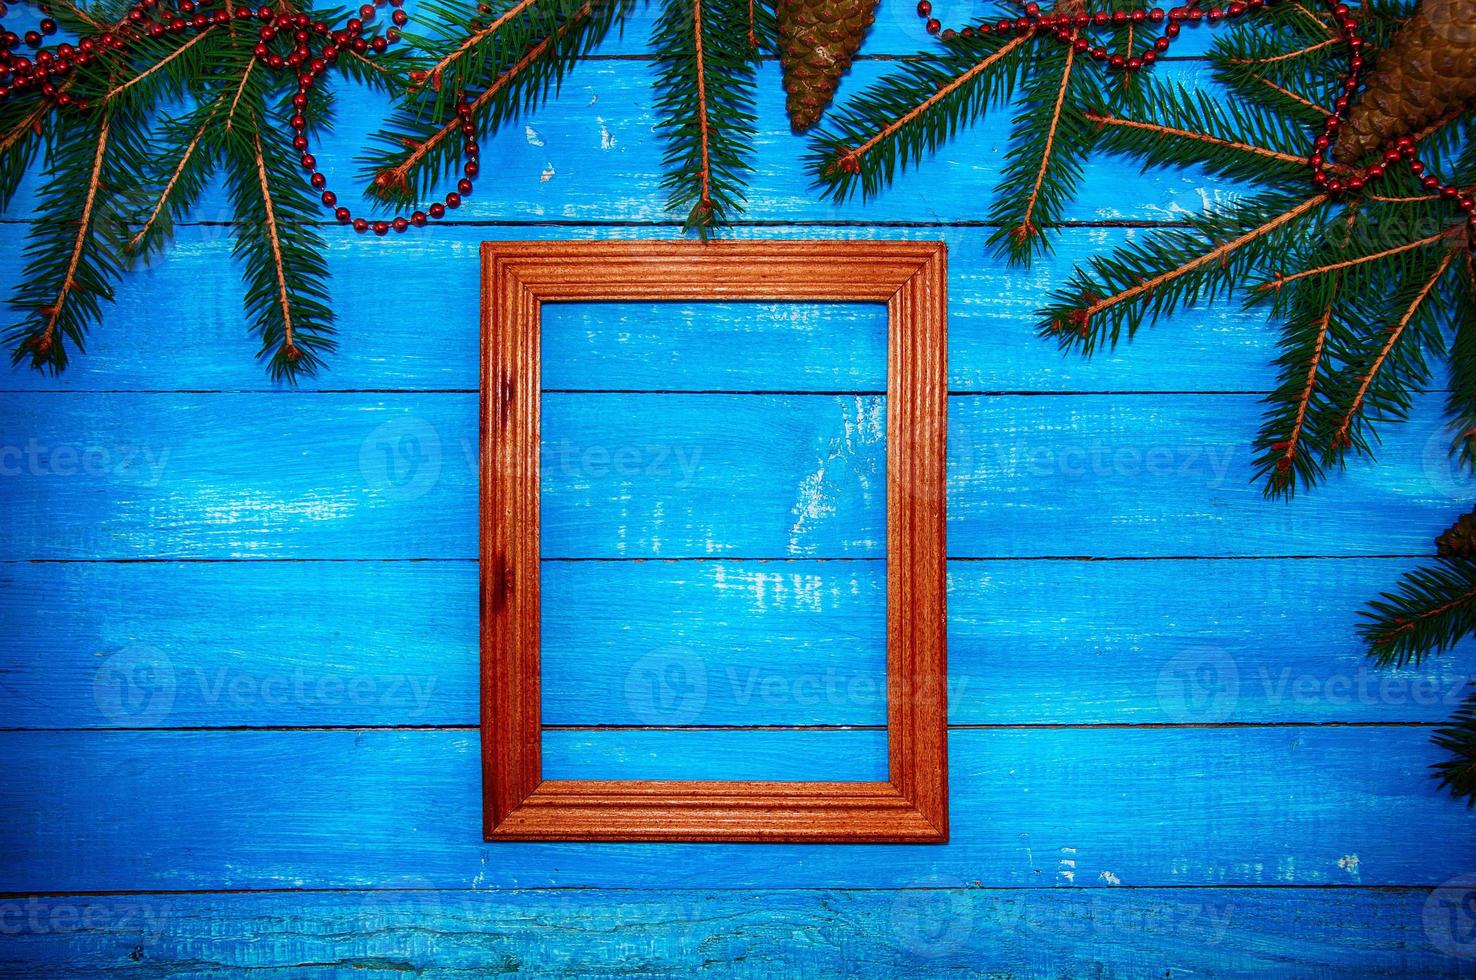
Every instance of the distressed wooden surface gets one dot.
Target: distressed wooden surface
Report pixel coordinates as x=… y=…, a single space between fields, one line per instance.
x=1029 y=808
x=1171 y=761
x=1106 y=933
x=424 y=336
x=775 y=643
x=393 y=475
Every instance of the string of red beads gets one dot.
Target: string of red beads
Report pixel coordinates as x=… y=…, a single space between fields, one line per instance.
x=1068 y=27
x=149 y=18
x=1332 y=178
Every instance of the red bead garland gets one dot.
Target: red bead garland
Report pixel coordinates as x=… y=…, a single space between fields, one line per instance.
x=148 y=18
x=1066 y=28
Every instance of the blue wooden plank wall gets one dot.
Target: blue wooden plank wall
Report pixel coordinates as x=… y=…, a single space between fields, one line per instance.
x=239 y=656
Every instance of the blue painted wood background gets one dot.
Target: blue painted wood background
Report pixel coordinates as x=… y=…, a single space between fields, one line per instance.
x=239 y=654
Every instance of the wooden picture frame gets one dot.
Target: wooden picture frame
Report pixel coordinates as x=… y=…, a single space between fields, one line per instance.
x=519 y=804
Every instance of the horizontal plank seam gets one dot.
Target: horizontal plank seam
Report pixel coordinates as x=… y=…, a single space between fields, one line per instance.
x=827 y=392
x=698 y=889
x=1022 y=726
x=188 y=560
x=1079 y=223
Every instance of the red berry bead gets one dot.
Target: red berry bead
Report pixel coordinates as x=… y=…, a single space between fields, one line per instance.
x=381 y=227
x=330 y=199
x=342 y=214
x=453 y=200
x=360 y=225
x=400 y=224
x=463 y=186
x=418 y=219
x=438 y=210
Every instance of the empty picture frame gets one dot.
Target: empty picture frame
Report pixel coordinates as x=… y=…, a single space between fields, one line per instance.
x=519 y=804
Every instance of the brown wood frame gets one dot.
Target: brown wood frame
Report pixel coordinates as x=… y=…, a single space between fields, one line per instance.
x=519 y=804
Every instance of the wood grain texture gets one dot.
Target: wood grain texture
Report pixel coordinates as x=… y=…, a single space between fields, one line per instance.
x=520 y=803
x=1098 y=932
x=1341 y=812
x=592 y=156
x=371 y=475
x=426 y=338
x=761 y=643
x=1029 y=808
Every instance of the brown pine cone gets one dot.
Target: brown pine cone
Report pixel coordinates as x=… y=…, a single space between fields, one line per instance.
x=1459 y=540
x=817 y=40
x=1428 y=72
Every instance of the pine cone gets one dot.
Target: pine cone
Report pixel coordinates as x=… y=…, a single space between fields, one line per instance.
x=1427 y=73
x=817 y=40
x=1459 y=540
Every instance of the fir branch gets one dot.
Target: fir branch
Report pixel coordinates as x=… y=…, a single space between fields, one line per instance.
x=1431 y=609
x=160 y=66
x=891 y=125
x=22 y=136
x=182 y=141
x=1301 y=52
x=274 y=237
x=1458 y=738
x=705 y=94
x=1187 y=134
x=398 y=176
x=1281 y=280
x=71 y=265
x=414 y=149
x=1342 y=437
x=1044 y=165
x=1458 y=307
x=43 y=343
x=1133 y=291
x=1173 y=126
x=1282 y=461
x=230 y=120
x=282 y=254
x=435 y=74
